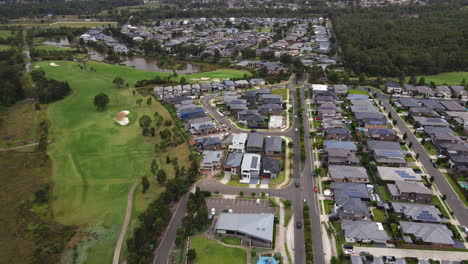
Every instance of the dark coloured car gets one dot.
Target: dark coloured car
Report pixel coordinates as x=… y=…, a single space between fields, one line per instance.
x=364 y=253
x=297 y=184
x=348 y=246
x=298 y=224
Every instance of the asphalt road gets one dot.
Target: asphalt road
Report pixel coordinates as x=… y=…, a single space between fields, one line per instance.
x=454 y=202
x=296 y=195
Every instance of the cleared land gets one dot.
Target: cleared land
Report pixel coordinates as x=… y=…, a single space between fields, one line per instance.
x=450 y=78
x=51 y=47
x=132 y=75
x=5 y=33
x=356 y=91
x=96 y=160
x=281 y=91
x=210 y=252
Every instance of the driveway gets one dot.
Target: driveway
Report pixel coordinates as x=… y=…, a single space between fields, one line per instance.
x=240 y=206
x=414 y=253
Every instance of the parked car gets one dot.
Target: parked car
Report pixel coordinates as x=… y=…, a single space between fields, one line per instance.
x=318 y=118
x=465 y=229
x=258 y=201
x=441 y=156
x=298 y=224
x=297 y=184
x=315 y=189
x=213 y=211
x=347 y=246
x=349 y=251
x=314 y=174
x=364 y=253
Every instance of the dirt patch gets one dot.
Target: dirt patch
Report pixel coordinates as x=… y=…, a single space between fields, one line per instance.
x=121 y=117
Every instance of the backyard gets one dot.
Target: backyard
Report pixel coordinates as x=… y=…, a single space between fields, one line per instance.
x=281 y=91
x=96 y=160
x=210 y=252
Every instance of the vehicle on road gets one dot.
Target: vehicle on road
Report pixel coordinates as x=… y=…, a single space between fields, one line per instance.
x=299 y=224
x=318 y=118
x=213 y=211
x=296 y=129
x=315 y=189
x=314 y=174
x=258 y=201
x=349 y=251
x=230 y=211
x=417 y=171
x=364 y=253
x=297 y=184
x=347 y=246
x=465 y=229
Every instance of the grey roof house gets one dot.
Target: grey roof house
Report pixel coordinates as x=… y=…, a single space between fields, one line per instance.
x=428 y=233
x=340 y=173
x=417 y=212
x=410 y=191
x=273 y=146
x=255 y=143
x=364 y=231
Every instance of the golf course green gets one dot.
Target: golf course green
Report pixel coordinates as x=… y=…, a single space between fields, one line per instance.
x=96 y=160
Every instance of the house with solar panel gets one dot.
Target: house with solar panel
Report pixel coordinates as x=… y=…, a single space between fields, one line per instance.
x=410 y=191
x=417 y=212
x=429 y=121
x=386 y=152
x=393 y=174
x=256 y=228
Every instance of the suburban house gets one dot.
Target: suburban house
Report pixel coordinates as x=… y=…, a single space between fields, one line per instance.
x=384 y=134
x=452 y=105
x=209 y=143
x=348 y=207
x=386 y=152
x=270 y=99
x=393 y=174
x=408 y=102
x=424 y=91
x=233 y=163
x=417 y=212
x=435 y=234
x=270 y=109
x=423 y=111
x=425 y=121
x=340 y=89
x=393 y=88
x=250 y=167
x=212 y=160
x=336 y=144
x=270 y=168
x=255 y=121
x=340 y=173
x=410 y=191
x=443 y=91
x=203 y=129
x=340 y=157
x=255 y=143
x=364 y=232
x=273 y=146
x=258 y=228
x=459 y=91
x=337 y=133
x=238 y=142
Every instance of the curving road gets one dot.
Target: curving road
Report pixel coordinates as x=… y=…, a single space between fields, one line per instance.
x=296 y=195
x=454 y=202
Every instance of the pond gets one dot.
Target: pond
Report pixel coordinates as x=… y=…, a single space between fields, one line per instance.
x=61 y=42
x=149 y=64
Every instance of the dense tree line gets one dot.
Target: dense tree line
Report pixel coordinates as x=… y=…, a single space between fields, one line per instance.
x=156 y=217
x=403 y=40
x=11 y=70
x=59 y=7
x=49 y=90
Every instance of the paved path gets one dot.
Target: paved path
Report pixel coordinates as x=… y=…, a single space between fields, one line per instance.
x=414 y=253
x=123 y=231
x=25 y=146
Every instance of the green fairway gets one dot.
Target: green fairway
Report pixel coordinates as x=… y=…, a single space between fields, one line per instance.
x=356 y=91
x=95 y=160
x=449 y=78
x=51 y=47
x=281 y=91
x=5 y=33
x=210 y=252
x=4 y=47
x=132 y=75
x=83 y=24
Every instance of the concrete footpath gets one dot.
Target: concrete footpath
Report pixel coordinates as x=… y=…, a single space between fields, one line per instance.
x=414 y=253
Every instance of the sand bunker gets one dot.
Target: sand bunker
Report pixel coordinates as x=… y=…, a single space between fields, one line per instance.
x=121 y=117
x=37 y=66
x=53 y=64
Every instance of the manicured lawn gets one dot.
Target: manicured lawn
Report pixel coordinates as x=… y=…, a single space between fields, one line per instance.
x=450 y=78
x=385 y=193
x=456 y=187
x=132 y=75
x=409 y=159
x=328 y=206
x=96 y=160
x=4 y=47
x=356 y=91
x=83 y=24
x=232 y=240
x=279 y=179
x=438 y=203
x=378 y=215
x=431 y=149
x=210 y=252
x=5 y=33
x=51 y=48
x=281 y=91
x=288 y=213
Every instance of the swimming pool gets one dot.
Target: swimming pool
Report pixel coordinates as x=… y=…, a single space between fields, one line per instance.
x=463 y=184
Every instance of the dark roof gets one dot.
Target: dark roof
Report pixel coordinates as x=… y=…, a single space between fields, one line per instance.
x=273 y=144
x=382 y=131
x=255 y=140
x=208 y=141
x=234 y=159
x=336 y=131
x=271 y=164
x=352 y=189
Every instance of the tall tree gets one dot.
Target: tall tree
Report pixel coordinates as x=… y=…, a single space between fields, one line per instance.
x=118 y=82
x=145 y=183
x=101 y=101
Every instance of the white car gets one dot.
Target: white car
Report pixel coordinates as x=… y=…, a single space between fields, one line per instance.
x=465 y=229
x=213 y=211
x=349 y=251
x=441 y=156
x=258 y=201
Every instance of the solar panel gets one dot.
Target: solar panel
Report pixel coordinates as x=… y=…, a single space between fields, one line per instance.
x=426 y=215
x=405 y=175
x=390 y=153
x=434 y=120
